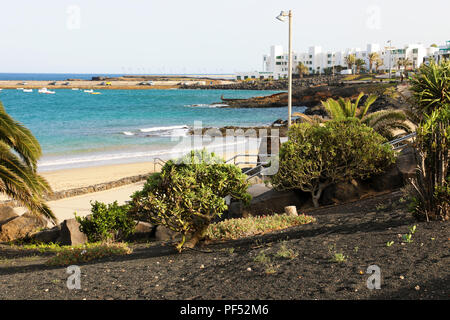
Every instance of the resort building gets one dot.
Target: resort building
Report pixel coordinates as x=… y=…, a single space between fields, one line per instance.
x=276 y=64
x=440 y=53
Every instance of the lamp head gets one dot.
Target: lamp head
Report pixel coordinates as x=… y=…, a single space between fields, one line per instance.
x=282 y=16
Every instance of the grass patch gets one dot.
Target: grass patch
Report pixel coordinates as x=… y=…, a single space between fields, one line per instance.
x=339 y=257
x=244 y=227
x=286 y=253
x=73 y=255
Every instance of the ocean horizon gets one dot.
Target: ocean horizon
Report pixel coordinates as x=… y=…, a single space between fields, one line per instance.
x=77 y=129
x=83 y=76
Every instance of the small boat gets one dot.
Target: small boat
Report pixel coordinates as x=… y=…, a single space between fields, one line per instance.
x=89 y=91
x=96 y=93
x=75 y=89
x=49 y=92
x=27 y=90
x=19 y=88
x=43 y=90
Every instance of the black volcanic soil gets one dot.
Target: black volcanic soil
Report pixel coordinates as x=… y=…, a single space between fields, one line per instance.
x=359 y=230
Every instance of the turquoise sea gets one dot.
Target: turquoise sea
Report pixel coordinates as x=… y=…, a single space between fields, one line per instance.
x=78 y=129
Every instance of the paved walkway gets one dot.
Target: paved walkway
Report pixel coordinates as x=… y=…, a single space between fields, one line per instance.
x=65 y=208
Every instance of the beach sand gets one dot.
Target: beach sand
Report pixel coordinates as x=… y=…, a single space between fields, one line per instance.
x=83 y=177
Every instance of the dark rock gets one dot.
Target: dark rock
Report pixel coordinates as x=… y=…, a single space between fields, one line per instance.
x=143 y=230
x=48 y=235
x=21 y=227
x=165 y=234
x=406 y=163
x=70 y=233
x=7 y=214
x=274 y=202
x=341 y=192
x=391 y=179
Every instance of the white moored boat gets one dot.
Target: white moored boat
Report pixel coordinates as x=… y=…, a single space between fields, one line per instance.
x=89 y=91
x=46 y=91
x=27 y=90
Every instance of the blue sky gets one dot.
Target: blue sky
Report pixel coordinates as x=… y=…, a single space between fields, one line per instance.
x=198 y=36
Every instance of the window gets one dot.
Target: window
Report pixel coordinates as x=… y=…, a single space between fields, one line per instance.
x=278 y=63
x=279 y=57
x=238 y=77
x=310 y=56
x=415 y=50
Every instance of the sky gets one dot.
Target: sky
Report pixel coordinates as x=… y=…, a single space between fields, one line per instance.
x=199 y=36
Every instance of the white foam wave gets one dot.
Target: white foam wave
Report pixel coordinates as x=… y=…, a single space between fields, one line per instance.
x=148 y=155
x=128 y=133
x=163 y=128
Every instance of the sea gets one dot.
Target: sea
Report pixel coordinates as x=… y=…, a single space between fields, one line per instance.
x=79 y=129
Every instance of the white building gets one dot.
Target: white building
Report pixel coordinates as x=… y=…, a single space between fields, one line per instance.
x=440 y=53
x=318 y=61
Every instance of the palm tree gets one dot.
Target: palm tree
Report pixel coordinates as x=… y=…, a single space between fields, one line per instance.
x=350 y=60
x=359 y=64
x=302 y=69
x=378 y=63
x=372 y=59
x=406 y=63
x=381 y=121
x=19 y=152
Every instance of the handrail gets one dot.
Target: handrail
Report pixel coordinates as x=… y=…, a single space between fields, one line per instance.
x=394 y=142
x=246 y=155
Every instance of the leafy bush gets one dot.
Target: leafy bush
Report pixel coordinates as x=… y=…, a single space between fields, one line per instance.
x=318 y=155
x=431 y=187
x=431 y=86
x=75 y=255
x=245 y=227
x=107 y=222
x=189 y=193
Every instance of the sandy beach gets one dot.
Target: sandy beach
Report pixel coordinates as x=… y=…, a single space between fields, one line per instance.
x=83 y=177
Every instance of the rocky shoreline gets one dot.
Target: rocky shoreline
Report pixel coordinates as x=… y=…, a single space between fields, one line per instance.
x=308 y=96
x=269 y=84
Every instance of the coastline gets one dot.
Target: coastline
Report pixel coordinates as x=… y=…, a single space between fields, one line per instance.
x=122 y=84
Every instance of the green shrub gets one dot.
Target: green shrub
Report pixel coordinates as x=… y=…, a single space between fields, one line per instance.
x=318 y=155
x=107 y=222
x=189 y=193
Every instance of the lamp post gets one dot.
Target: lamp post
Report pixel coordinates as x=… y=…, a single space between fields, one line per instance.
x=390 y=57
x=281 y=17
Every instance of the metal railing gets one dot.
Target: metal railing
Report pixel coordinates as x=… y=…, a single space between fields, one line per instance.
x=396 y=142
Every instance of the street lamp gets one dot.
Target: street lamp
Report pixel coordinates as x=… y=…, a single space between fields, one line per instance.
x=282 y=17
x=390 y=57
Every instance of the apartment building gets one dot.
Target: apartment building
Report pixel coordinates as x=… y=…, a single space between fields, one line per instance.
x=318 y=61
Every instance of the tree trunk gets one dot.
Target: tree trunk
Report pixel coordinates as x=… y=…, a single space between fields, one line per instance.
x=196 y=237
